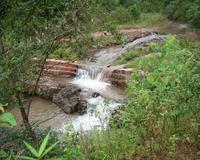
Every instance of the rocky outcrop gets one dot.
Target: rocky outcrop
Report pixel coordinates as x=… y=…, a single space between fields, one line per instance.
x=60 y=68
x=120 y=77
x=67 y=96
x=46 y=87
x=133 y=34
x=130 y=34
x=69 y=100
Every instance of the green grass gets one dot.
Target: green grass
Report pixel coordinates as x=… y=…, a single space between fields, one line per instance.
x=145 y=20
x=130 y=58
x=64 y=53
x=103 y=41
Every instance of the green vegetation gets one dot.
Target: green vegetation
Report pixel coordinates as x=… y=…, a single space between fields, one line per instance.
x=42 y=152
x=133 y=55
x=186 y=11
x=145 y=20
x=161 y=117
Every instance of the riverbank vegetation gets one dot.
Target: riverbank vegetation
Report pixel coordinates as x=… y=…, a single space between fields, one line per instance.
x=160 y=119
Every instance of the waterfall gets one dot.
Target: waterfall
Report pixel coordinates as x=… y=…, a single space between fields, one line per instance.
x=88 y=73
x=93 y=80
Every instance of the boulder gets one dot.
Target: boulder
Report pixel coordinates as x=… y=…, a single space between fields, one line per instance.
x=46 y=87
x=69 y=100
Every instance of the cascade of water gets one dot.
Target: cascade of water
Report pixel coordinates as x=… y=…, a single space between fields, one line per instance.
x=88 y=72
x=94 y=79
x=87 y=79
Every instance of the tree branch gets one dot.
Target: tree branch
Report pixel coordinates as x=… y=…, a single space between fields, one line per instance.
x=46 y=53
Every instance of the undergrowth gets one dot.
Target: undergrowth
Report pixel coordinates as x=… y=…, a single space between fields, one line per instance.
x=161 y=117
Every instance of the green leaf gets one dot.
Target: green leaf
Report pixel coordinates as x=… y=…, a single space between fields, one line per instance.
x=49 y=149
x=27 y=158
x=44 y=143
x=7 y=119
x=3 y=154
x=30 y=148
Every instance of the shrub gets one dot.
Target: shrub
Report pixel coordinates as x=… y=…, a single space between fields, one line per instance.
x=163 y=101
x=120 y=15
x=135 y=11
x=187 y=11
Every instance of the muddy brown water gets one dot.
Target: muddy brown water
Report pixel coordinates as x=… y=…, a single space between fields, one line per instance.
x=44 y=113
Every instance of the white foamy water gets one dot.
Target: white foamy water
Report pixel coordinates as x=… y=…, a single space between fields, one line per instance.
x=97 y=116
x=99 y=108
x=87 y=78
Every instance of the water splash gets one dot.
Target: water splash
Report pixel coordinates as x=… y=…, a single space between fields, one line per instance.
x=92 y=80
x=97 y=116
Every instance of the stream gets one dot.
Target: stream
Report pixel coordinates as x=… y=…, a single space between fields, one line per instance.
x=91 y=78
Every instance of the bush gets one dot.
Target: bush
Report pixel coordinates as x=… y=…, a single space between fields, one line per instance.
x=161 y=117
x=187 y=11
x=120 y=15
x=135 y=11
x=163 y=101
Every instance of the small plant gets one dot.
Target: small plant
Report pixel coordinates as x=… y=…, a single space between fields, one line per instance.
x=39 y=155
x=6 y=119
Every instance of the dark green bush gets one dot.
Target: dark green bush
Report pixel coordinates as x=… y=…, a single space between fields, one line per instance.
x=120 y=15
x=187 y=11
x=135 y=11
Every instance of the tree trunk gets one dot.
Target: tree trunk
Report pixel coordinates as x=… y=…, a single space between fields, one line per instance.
x=26 y=123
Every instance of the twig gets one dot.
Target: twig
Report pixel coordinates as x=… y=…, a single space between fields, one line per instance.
x=46 y=53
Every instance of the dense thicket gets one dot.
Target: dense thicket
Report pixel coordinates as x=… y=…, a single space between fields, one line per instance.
x=182 y=10
x=163 y=103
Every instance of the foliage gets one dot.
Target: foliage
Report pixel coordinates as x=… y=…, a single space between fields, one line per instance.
x=42 y=152
x=188 y=11
x=7 y=120
x=163 y=107
x=131 y=55
x=12 y=142
x=63 y=52
x=120 y=15
x=161 y=117
x=145 y=20
x=135 y=11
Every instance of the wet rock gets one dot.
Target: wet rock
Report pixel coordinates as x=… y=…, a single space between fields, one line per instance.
x=133 y=34
x=95 y=94
x=120 y=77
x=69 y=100
x=46 y=87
